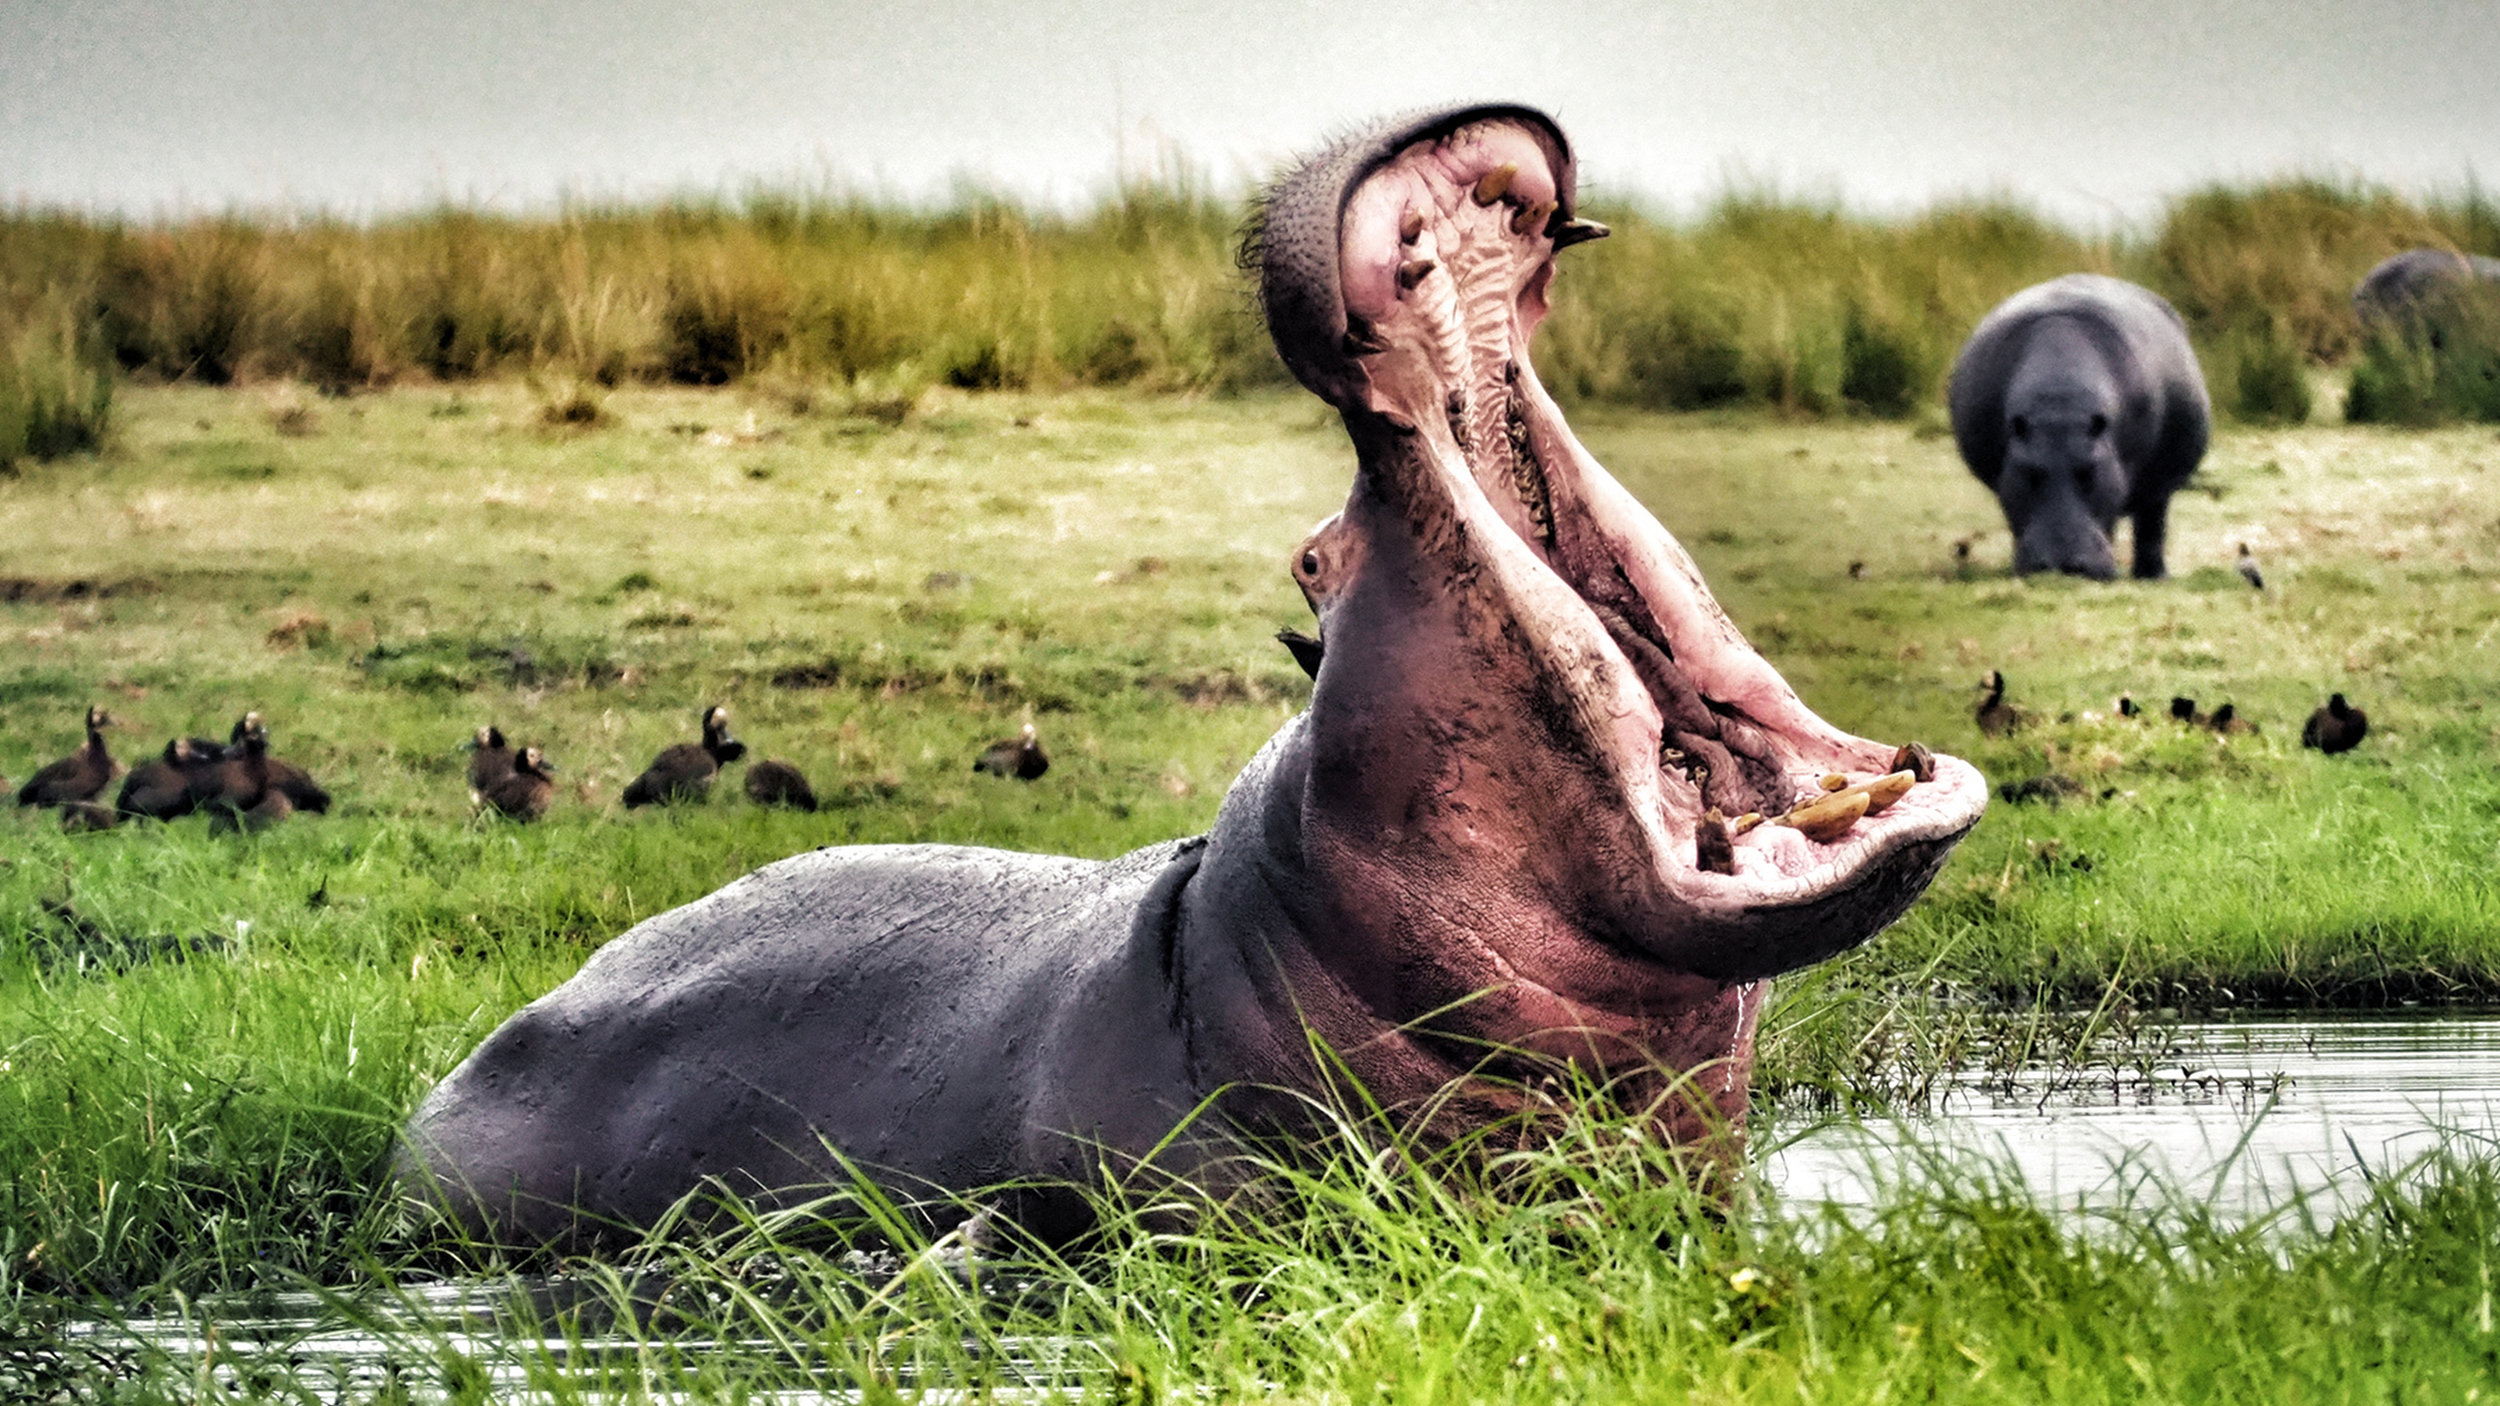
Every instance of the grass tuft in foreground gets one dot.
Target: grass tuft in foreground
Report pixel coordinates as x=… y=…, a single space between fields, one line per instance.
x=1578 y=1266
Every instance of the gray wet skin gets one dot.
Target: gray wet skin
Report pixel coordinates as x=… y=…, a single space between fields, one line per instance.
x=2078 y=402
x=1474 y=854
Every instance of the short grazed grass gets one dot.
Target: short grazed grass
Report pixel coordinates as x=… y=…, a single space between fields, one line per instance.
x=200 y=1076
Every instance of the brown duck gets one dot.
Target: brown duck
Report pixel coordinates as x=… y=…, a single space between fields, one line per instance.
x=777 y=783
x=525 y=789
x=80 y=776
x=302 y=792
x=683 y=771
x=168 y=787
x=490 y=761
x=1020 y=756
x=243 y=791
x=1995 y=716
x=2336 y=727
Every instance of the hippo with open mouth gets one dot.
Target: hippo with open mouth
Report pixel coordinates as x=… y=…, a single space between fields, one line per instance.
x=1497 y=838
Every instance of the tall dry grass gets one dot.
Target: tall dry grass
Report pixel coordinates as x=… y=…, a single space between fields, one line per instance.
x=1762 y=299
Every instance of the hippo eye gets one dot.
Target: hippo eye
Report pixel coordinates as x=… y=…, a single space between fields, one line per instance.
x=1310 y=563
x=2022 y=427
x=2100 y=425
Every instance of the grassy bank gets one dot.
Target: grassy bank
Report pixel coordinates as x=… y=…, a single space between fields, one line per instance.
x=1579 y=1269
x=1758 y=299
x=202 y=1060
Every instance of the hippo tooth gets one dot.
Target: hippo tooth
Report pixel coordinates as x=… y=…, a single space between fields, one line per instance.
x=1533 y=217
x=1835 y=782
x=1495 y=184
x=1571 y=232
x=1914 y=758
x=1829 y=818
x=1745 y=822
x=1713 y=851
x=1884 y=790
x=1415 y=271
x=1411 y=226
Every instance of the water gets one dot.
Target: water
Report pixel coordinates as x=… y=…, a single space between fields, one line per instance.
x=2246 y=1115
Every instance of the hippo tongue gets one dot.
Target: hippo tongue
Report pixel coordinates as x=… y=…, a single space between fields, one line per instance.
x=1570 y=603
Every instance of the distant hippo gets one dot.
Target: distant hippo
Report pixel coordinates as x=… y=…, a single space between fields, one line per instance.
x=2078 y=400
x=2405 y=285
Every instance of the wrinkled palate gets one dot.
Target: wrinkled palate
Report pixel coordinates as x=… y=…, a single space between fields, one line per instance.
x=1447 y=254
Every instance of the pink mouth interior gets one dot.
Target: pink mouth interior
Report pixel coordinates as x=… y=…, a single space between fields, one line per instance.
x=1447 y=252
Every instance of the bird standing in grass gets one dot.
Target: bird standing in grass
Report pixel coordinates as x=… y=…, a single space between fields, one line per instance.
x=683 y=771
x=1020 y=756
x=490 y=761
x=2184 y=710
x=1995 y=716
x=80 y=776
x=167 y=788
x=301 y=791
x=243 y=791
x=2336 y=727
x=2227 y=719
x=525 y=789
x=777 y=783
x=2248 y=568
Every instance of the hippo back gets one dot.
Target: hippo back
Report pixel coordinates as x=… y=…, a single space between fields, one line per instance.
x=851 y=989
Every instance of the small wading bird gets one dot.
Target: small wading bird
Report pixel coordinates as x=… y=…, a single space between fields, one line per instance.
x=2127 y=707
x=2227 y=719
x=524 y=790
x=1020 y=756
x=773 y=782
x=2184 y=710
x=1995 y=716
x=683 y=771
x=2248 y=568
x=80 y=776
x=2336 y=727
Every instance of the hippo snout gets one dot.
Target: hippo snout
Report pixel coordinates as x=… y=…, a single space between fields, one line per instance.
x=2075 y=556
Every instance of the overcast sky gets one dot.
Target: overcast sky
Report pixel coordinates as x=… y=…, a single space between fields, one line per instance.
x=2090 y=109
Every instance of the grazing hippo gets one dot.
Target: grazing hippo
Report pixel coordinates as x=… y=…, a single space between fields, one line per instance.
x=2408 y=285
x=2076 y=401
x=1479 y=851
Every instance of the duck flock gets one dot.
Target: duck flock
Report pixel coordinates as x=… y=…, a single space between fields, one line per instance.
x=238 y=785
x=2336 y=726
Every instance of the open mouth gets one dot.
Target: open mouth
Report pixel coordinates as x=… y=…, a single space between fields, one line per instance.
x=1746 y=799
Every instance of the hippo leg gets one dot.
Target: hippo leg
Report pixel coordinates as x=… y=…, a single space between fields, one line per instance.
x=2152 y=532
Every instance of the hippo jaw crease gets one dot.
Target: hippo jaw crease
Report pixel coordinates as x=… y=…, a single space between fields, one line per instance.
x=1562 y=576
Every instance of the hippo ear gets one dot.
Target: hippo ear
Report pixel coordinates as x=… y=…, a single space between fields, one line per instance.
x=2100 y=425
x=2022 y=427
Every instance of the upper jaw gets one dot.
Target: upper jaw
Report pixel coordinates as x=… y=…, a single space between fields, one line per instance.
x=1443 y=288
